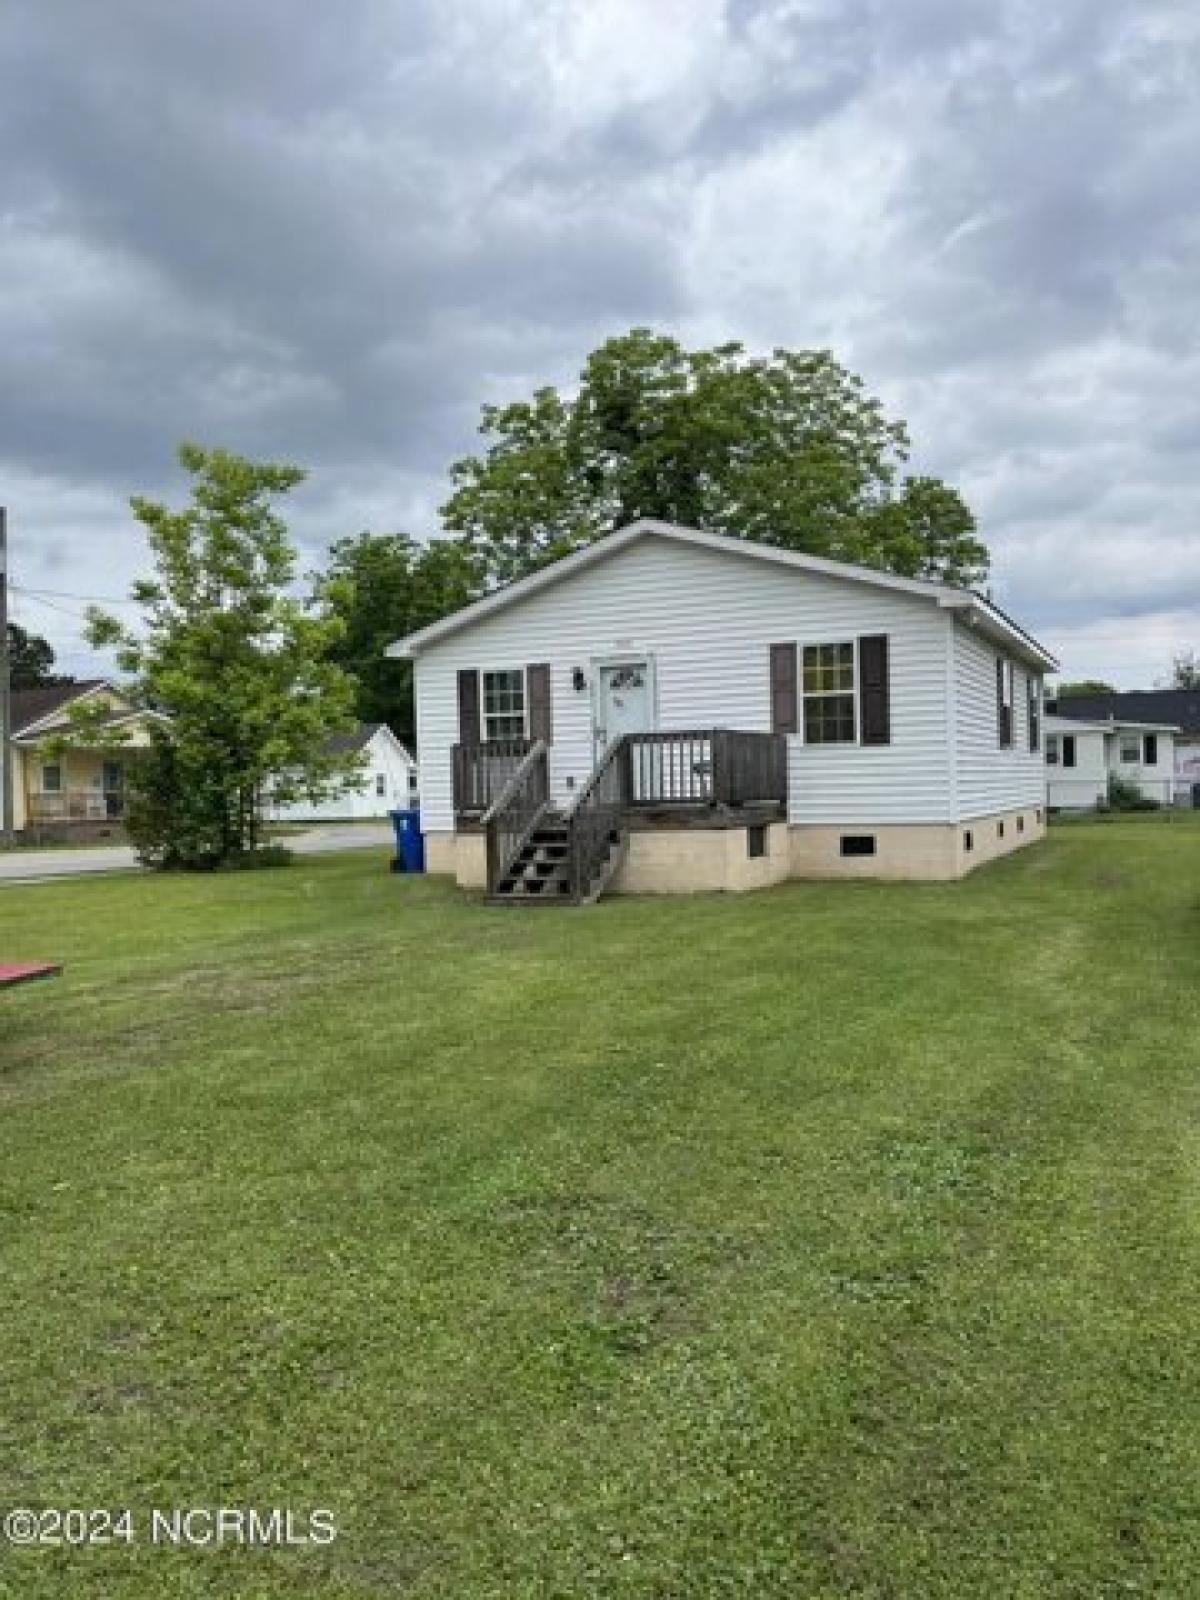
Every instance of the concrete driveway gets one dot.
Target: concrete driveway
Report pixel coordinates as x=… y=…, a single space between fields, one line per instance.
x=22 y=866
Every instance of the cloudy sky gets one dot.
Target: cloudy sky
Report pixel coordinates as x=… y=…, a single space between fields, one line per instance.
x=330 y=232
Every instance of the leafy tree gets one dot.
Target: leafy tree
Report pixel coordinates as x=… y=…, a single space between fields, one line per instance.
x=1185 y=671
x=788 y=449
x=30 y=659
x=1072 y=689
x=236 y=662
x=382 y=586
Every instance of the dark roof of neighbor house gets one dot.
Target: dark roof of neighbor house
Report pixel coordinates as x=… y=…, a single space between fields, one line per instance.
x=340 y=744
x=31 y=705
x=1177 y=707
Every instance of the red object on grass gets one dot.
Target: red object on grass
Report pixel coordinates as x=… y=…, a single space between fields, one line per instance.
x=22 y=971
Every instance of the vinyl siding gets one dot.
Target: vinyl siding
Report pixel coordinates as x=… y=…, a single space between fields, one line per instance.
x=1155 y=779
x=1085 y=783
x=987 y=778
x=708 y=619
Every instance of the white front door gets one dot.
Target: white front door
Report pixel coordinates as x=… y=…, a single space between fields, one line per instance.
x=624 y=701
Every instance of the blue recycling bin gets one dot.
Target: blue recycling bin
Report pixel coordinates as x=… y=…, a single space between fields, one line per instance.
x=410 y=841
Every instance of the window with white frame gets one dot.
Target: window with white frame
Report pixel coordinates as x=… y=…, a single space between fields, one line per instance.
x=52 y=778
x=1131 y=749
x=829 y=698
x=1004 y=687
x=1051 y=749
x=380 y=784
x=504 y=704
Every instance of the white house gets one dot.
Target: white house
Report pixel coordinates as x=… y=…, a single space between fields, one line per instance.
x=1177 y=709
x=1081 y=756
x=669 y=709
x=387 y=781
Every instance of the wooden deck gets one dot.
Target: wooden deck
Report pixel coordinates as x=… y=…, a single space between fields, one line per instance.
x=694 y=777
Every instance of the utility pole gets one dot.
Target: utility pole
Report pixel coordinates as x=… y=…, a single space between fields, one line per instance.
x=6 y=786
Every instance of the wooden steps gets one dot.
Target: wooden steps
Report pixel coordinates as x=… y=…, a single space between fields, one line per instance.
x=540 y=874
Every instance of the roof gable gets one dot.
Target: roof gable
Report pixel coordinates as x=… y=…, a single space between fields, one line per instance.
x=360 y=737
x=941 y=594
x=31 y=706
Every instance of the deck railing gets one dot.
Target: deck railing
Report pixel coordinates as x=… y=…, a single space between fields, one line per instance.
x=76 y=805
x=597 y=815
x=708 y=767
x=512 y=817
x=481 y=772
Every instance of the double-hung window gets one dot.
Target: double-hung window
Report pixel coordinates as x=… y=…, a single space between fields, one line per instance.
x=1131 y=749
x=52 y=778
x=504 y=704
x=1004 y=702
x=1051 y=749
x=829 y=694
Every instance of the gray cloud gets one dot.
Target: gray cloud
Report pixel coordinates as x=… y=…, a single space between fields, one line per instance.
x=331 y=235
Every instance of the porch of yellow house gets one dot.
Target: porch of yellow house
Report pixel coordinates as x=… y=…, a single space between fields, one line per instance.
x=77 y=793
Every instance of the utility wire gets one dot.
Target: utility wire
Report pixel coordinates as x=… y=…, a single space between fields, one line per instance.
x=69 y=594
x=51 y=605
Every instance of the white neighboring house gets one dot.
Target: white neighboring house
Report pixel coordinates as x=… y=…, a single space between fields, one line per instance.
x=1156 y=708
x=680 y=710
x=388 y=782
x=1081 y=756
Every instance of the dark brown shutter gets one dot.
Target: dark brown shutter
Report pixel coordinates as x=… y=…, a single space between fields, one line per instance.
x=1150 y=750
x=1068 y=750
x=783 y=688
x=537 y=686
x=874 y=696
x=468 y=706
x=1033 y=694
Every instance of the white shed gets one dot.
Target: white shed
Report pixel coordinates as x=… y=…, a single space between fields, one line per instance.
x=387 y=782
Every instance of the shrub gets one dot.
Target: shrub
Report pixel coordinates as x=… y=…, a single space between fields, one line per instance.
x=1126 y=796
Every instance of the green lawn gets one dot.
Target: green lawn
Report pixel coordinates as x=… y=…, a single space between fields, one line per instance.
x=838 y=1240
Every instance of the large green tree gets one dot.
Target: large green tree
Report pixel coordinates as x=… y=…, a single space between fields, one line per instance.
x=30 y=659
x=239 y=665
x=382 y=586
x=788 y=449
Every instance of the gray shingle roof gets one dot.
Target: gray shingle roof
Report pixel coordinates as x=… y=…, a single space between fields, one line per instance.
x=1178 y=706
x=339 y=744
x=31 y=705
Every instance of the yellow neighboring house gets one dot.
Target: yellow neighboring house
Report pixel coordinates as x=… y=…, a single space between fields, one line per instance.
x=76 y=791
